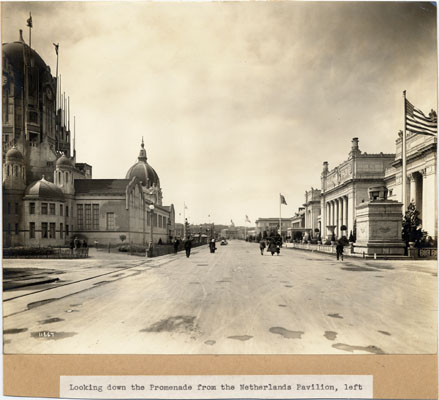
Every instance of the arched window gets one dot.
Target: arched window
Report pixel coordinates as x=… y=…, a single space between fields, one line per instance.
x=8 y=172
x=67 y=177
x=59 y=177
x=16 y=170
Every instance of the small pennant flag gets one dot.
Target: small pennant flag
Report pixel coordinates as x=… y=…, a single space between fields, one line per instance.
x=247 y=219
x=417 y=122
x=282 y=200
x=231 y=221
x=29 y=21
x=185 y=206
x=56 y=49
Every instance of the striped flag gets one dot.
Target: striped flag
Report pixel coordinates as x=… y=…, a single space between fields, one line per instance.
x=282 y=200
x=417 y=122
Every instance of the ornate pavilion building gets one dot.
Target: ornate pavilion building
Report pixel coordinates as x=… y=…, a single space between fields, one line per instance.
x=49 y=198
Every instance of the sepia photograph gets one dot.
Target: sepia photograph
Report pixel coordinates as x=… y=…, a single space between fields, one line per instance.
x=219 y=178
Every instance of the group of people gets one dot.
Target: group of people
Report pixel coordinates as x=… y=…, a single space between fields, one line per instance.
x=188 y=246
x=272 y=247
x=77 y=244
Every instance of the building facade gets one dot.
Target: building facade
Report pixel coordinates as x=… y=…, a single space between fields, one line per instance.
x=421 y=179
x=49 y=198
x=346 y=186
x=312 y=209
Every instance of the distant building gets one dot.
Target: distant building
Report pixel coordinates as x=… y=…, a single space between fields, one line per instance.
x=269 y=226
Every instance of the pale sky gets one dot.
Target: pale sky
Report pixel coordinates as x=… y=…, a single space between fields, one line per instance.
x=237 y=102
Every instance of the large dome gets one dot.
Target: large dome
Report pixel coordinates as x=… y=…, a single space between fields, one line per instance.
x=43 y=189
x=14 y=52
x=143 y=171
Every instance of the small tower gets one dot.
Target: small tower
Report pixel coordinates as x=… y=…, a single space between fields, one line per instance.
x=14 y=174
x=63 y=175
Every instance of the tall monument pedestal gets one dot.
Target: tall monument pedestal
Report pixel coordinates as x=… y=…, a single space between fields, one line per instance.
x=379 y=225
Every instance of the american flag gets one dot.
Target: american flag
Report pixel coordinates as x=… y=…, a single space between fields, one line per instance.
x=282 y=200
x=417 y=122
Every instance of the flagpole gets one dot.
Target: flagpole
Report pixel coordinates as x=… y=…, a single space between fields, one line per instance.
x=184 y=220
x=404 y=158
x=280 y=215
x=29 y=24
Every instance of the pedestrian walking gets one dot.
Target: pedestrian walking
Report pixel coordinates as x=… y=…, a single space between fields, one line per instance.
x=277 y=249
x=84 y=244
x=72 y=245
x=212 y=246
x=339 y=250
x=262 y=246
x=272 y=248
x=188 y=246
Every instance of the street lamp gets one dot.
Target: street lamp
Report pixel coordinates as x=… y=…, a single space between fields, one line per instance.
x=151 y=218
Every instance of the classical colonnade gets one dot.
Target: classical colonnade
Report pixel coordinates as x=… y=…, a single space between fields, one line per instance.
x=337 y=214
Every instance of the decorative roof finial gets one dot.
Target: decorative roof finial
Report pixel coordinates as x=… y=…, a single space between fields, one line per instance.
x=142 y=153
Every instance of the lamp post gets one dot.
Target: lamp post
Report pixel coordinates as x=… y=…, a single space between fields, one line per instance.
x=151 y=210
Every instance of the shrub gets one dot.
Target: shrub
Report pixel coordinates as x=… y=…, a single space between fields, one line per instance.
x=27 y=251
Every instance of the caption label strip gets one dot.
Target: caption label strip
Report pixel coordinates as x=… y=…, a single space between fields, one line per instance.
x=217 y=386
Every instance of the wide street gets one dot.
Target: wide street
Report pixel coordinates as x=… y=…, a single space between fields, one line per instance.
x=232 y=302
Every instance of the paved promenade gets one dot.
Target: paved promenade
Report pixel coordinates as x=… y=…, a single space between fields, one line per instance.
x=232 y=302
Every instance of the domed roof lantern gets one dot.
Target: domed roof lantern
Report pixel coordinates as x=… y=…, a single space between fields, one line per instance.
x=64 y=161
x=143 y=171
x=142 y=153
x=14 y=154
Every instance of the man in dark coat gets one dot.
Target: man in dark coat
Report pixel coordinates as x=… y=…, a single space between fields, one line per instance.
x=262 y=246
x=188 y=246
x=212 y=246
x=339 y=250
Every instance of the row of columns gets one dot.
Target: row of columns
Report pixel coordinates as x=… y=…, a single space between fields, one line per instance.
x=337 y=214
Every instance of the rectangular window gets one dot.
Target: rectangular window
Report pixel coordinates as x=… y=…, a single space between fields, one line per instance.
x=164 y=222
x=61 y=211
x=9 y=229
x=95 y=217
x=16 y=229
x=61 y=230
x=44 y=233
x=67 y=231
x=16 y=209
x=52 y=208
x=110 y=221
x=32 y=230
x=148 y=218
x=87 y=217
x=67 y=211
x=155 y=220
x=80 y=210
x=9 y=208
x=52 y=230
x=44 y=208
x=31 y=208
